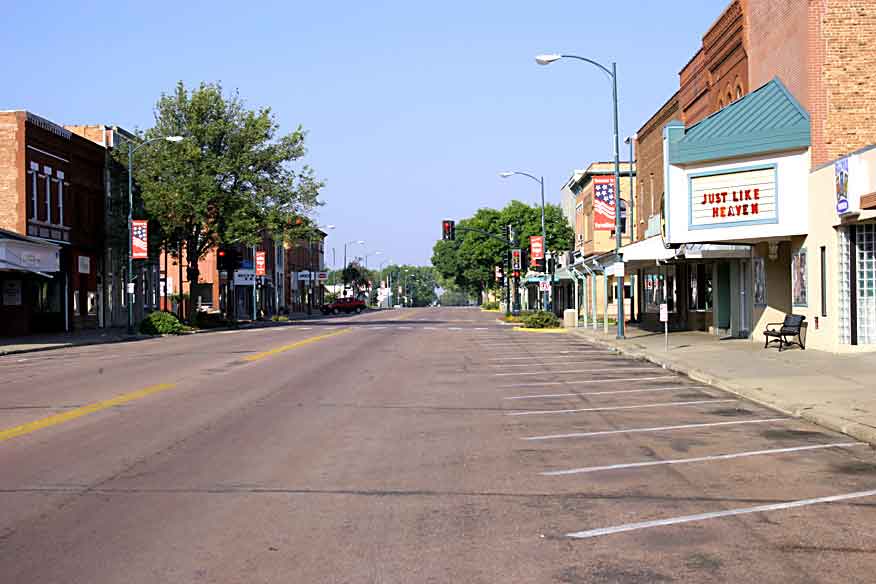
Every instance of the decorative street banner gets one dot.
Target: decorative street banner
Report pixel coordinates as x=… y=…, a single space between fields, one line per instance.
x=536 y=249
x=260 y=263
x=139 y=239
x=603 y=203
x=719 y=200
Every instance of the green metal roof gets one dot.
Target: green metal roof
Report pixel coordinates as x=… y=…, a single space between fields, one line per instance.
x=768 y=119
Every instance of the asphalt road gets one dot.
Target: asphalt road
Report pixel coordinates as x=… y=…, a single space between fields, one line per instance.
x=425 y=445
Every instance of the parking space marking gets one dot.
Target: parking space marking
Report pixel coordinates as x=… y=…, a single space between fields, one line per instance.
x=547 y=363
x=717 y=514
x=589 y=469
x=588 y=393
x=586 y=381
x=454 y=328
x=611 y=408
x=653 y=429
x=599 y=370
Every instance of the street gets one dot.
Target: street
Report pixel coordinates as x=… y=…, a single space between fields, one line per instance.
x=412 y=445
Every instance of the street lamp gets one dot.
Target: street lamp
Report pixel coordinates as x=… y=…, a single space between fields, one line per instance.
x=629 y=140
x=173 y=139
x=344 y=267
x=378 y=252
x=540 y=181
x=547 y=59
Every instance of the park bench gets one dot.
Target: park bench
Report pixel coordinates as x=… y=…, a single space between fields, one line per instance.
x=786 y=333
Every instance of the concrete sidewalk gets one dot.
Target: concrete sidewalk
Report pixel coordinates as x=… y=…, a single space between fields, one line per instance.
x=834 y=391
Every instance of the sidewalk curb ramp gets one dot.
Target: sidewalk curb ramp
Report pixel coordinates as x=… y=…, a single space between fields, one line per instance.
x=835 y=422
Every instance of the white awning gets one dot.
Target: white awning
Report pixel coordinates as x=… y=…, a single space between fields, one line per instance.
x=7 y=266
x=651 y=250
x=708 y=251
x=26 y=254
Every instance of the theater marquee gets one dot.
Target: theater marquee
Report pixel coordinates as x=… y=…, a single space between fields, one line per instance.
x=742 y=197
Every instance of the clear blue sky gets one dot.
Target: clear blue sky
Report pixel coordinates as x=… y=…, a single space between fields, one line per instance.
x=412 y=108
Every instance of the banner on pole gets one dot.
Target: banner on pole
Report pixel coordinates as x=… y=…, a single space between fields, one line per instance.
x=139 y=239
x=260 y=263
x=536 y=249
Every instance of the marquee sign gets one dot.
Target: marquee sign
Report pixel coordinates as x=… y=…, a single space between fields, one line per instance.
x=739 y=197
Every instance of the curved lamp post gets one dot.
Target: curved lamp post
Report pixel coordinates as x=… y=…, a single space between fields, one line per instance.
x=131 y=151
x=547 y=59
x=540 y=181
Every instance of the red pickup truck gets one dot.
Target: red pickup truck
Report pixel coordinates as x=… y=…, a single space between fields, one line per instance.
x=346 y=305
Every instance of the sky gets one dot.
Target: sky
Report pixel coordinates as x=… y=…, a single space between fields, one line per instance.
x=411 y=108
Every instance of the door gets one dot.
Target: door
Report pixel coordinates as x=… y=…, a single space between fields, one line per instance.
x=722 y=316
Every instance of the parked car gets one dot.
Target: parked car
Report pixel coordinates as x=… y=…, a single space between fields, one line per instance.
x=345 y=305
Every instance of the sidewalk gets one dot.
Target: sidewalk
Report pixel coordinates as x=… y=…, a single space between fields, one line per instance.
x=47 y=342
x=834 y=391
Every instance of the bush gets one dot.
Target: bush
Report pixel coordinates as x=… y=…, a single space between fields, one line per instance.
x=490 y=306
x=540 y=319
x=161 y=323
x=280 y=318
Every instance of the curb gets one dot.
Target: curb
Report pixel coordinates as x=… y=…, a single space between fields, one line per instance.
x=856 y=430
x=539 y=330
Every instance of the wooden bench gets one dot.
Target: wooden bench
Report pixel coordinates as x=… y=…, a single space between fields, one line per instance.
x=786 y=333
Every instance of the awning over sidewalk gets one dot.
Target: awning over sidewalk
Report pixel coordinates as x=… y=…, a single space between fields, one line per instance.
x=26 y=254
x=706 y=251
x=651 y=249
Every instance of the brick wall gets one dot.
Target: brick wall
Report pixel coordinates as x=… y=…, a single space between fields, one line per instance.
x=776 y=33
x=649 y=164
x=842 y=77
x=13 y=213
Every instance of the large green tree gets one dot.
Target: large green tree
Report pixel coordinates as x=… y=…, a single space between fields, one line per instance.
x=230 y=180
x=469 y=262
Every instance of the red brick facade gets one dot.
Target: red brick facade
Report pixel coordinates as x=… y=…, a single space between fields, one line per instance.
x=649 y=164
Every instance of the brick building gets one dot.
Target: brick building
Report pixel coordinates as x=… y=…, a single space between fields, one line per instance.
x=51 y=194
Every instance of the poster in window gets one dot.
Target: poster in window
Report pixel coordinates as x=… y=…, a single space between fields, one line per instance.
x=12 y=293
x=759 y=282
x=798 y=279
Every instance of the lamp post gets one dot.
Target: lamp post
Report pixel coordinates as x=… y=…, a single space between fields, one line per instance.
x=131 y=295
x=540 y=181
x=344 y=267
x=612 y=73
x=376 y=253
x=380 y=275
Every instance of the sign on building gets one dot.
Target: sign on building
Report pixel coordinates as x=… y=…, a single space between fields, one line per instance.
x=733 y=198
x=12 y=292
x=260 y=263
x=244 y=277
x=304 y=276
x=841 y=179
x=322 y=277
x=84 y=265
x=139 y=239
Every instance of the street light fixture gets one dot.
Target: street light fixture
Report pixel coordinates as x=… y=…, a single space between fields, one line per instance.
x=130 y=279
x=540 y=181
x=547 y=59
x=344 y=267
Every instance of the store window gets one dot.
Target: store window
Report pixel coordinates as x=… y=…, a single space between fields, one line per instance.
x=866 y=282
x=700 y=287
x=660 y=286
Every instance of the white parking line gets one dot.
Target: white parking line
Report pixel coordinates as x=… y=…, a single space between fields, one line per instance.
x=654 y=429
x=454 y=328
x=589 y=469
x=545 y=363
x=404 y=328
x=717 y=515
x=585 y=381
x=587 y=393
x=600 y=370
x=429 y=328
x=611 y=408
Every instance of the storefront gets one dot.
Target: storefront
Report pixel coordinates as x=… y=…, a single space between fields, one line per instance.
x=738 y=178
x=32 y=288
x=834 y=266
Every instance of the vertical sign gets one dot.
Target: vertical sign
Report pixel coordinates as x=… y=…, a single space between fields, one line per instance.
x=139 y=239
x=603 y=203
x=841 y=174
x=536 y=249
x=260 y=263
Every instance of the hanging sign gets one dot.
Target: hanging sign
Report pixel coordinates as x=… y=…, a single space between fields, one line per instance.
x=139 y=239
x=841 y=174
x=603 y=203
x=536 y=249
x=260 y=263
x=721 y=200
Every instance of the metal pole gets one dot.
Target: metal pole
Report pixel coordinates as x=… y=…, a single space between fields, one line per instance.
x=254 y=292
x=632 y=197
x=547 y=292
x=130 y=277
x=617 y=218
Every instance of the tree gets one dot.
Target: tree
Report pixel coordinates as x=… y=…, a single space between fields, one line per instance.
x=470 y=261
x=229 y=181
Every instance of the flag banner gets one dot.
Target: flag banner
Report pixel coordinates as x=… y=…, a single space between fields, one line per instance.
x=603 y=203
x=139 y=239
x=260 y=263
x=536 y=249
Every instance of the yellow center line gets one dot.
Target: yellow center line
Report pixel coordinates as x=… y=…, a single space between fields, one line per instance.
x=83 y=411
x=295 y=345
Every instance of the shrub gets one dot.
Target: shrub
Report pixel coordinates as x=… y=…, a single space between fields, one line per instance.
x=540 y=319
x=490 y=306
x=280 y=318
x=161 y=323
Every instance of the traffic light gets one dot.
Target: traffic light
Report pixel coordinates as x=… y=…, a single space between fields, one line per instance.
x=517 y=274
x=516 y=260
x=222 y=259
x=538 y=265
x=448 y=230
